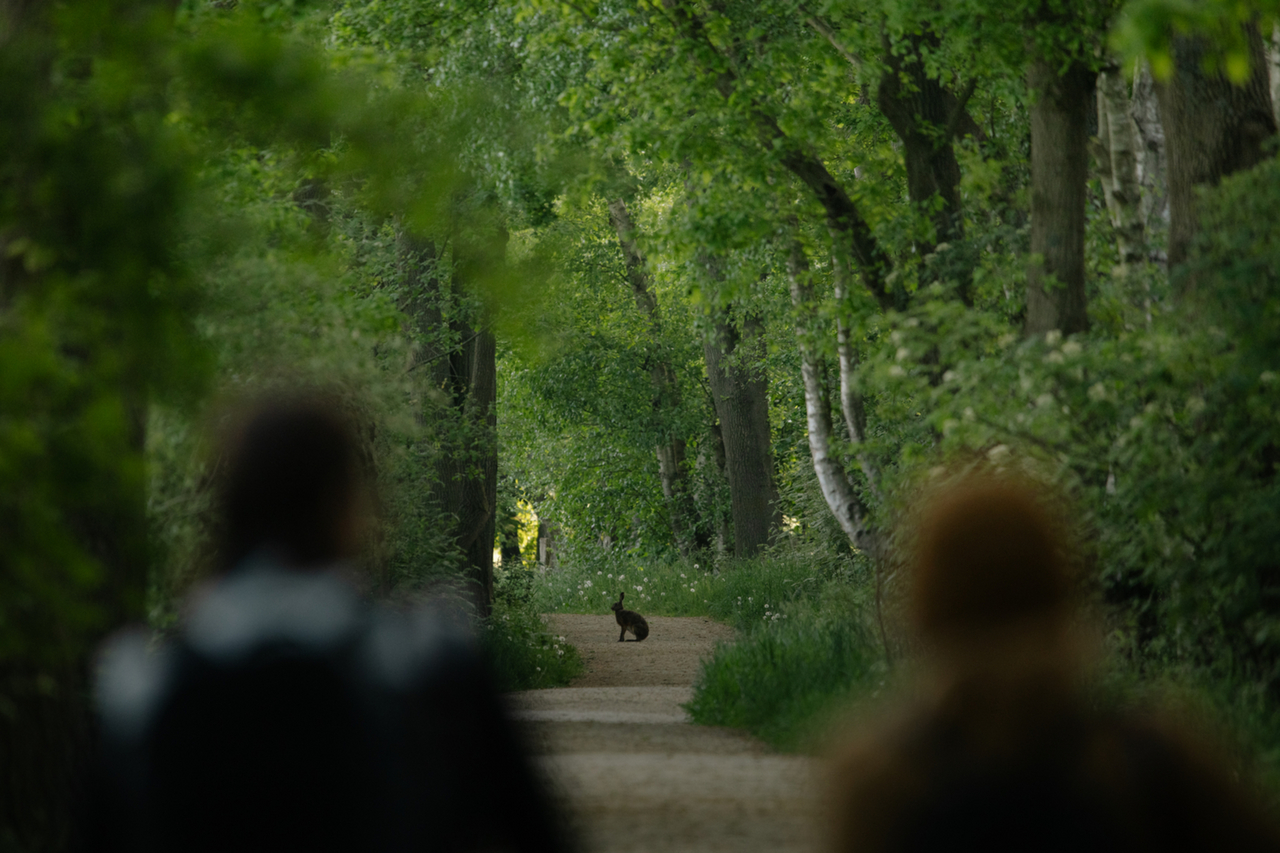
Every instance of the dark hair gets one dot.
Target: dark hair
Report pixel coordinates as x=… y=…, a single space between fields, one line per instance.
x=989 y=554
x=290 y=476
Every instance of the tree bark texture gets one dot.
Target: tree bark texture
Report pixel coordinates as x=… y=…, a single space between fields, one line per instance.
x=837 y=491
x=1117 y=157
x=715 y=479
x=740 y=391
x=1212 y=128
x=467 y=469
x=1153 y=173
x=925 y=117
x=851 y=404
x=662 y=375
x=463 y=380
x=1059 y=172
x=1273 y=70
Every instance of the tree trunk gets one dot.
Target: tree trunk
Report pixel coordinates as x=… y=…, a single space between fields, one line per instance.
x=547 y=550
x=666 y=388
x=837 y=491
x=460 y=367
x=1153 y=173
x=718 y=480
x=1059 y=173
x=1273 y=70
x=467 y=467
x=1118 y=166
x=740 y=391
x=1212 y=128
x=925 y=117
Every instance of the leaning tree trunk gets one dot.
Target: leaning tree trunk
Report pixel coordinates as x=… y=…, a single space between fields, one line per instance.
x=1212 y=128
x=740 y=391
x=666 y=388
x=837 y=491
x=1059 y=174
x=926 y=117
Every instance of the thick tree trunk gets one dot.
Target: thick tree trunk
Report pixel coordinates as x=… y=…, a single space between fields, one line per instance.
x=548 y=553
x=837 y=491
x=467 y=468
x=1059 y=172
x=1212 y=128
x=1118 y=166
x=666 y=388
x=1273 y=70
x=461 y=370
x=740 y=391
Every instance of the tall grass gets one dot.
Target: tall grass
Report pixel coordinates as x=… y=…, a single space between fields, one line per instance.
x=522 y=650
x=742 y=593
x=781 y=679
x=803 y=615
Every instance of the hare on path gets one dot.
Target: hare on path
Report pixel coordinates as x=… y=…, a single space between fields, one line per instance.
x=629 y=620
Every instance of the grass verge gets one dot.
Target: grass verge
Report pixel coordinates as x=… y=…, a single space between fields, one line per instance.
x=782 y=679
x=523 y=652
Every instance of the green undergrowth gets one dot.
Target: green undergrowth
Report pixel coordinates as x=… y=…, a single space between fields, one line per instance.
x=782 y=679
x=522 y=650
x=805 y=642
x=741 y=593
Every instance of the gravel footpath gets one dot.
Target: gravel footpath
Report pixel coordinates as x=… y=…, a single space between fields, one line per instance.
x=632 y=771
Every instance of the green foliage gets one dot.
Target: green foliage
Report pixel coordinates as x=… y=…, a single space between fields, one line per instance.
x=742 y=593
x=525 y=655
x=782 y=680
x=95 y=316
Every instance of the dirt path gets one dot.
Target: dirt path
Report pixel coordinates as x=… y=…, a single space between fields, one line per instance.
x=636 y=775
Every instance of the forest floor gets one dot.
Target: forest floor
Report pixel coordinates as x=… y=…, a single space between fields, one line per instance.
x=632 y=771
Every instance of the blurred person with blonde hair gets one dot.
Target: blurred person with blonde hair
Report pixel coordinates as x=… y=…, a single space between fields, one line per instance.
x=1003 y=748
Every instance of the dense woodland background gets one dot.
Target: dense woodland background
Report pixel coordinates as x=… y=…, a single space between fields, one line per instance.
x=685 y=297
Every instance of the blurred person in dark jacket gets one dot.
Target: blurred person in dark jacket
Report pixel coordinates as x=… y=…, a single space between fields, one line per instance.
x=1003 y=748
x=290 y=715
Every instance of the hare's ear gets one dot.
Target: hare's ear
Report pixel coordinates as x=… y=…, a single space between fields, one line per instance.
x=621 y=596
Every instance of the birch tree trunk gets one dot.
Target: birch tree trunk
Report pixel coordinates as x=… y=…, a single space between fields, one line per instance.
x=1119 y=150
x=1144 y=109
x=837 y=491
x=851 y=406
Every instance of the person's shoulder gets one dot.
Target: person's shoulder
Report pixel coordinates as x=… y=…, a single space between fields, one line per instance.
x=265 y=606
x=431 y=639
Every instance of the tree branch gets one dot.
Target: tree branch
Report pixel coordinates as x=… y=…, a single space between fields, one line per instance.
x=824 y=30
x=958 y=111
x=843 y=217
